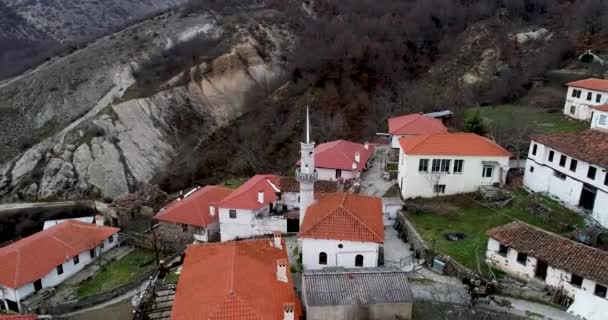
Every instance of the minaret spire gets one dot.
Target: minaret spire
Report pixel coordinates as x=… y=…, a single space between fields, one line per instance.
x=306 y=174
x=307 y=126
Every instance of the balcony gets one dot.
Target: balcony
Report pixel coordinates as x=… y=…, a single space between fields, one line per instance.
x=306 y=177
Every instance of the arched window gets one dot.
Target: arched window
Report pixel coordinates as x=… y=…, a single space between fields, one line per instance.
x=359 y=260
x=323 y=258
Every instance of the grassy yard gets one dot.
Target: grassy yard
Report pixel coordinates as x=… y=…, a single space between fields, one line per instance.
x=461 y=214
x=509 y=115
x=118 y=272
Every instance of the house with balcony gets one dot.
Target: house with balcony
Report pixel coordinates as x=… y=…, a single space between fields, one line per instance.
x=192 y=217
x=571 y=167
x=49 y=257
x=535 y=255
x=414 y=124
x=583 y=96
x=341 y=159
x=449 y=163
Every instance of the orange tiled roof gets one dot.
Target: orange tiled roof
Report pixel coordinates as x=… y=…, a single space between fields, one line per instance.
x=414 y=124
x=32 y=258
x=603 y=107
x=591 y=84
x=453 y=144
x=194 y=209
x=234 y=280
x=589 y=145
x=344 y=216
x=246 y=196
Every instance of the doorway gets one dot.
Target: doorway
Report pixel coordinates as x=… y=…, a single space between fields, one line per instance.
x=541 y=270
x=293 y=225
x=587 y=200
x=338 y=173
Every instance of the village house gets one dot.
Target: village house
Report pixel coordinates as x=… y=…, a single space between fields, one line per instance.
x=341 y=159
x=449 y=163
x=571 y=167
x=352 y=294
x=48 y=258
x=342 y=230
x=583 y=95
x=412 y=125
x=290 y=191
x=599 y=121
x=191 y=218
x=253 y=209
x=533 y=254
x=248 y=279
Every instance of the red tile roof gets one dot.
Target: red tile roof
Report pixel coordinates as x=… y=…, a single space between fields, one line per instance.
x=589 y=145
x=32 y=258
x=555 y=250
x=344 y=216
x=17 y=317
x=603 y=107
x=234 y=280
x=246 y=196
x=290 y=184
x=453 y=144
x=340 y=154
x=194 y=209
x=414 y=124
x=591 y=84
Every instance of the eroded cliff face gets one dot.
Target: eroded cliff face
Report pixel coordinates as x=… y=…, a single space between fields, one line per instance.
x=119 y=142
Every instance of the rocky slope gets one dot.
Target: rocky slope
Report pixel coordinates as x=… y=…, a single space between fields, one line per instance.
x=84 y=125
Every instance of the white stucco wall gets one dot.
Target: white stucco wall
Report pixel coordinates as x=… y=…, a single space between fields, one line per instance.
x=338 y=257
x=542 y=179
x=582 y=105
x=419 y=184
x=597 y=116
x=247 y=225
x=330 y=174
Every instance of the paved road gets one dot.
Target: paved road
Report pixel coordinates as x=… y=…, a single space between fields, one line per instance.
x=372 y=181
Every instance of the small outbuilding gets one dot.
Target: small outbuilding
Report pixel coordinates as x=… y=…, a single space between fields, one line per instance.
x=371 y=294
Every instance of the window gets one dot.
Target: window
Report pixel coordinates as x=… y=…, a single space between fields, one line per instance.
x=600 y=290
x=606 y=179
x=591 y=172
x=531 y=168
x=487 y=172
x=445 y=165
x=184 y=227
x=338 y=173
x=559 y=175
x=576 y=281
x=589 y=96
x=92 y=253
x=603 y=120
x=572 y=109
x=111 y=239
x=503 y=250
x=38 y=285
x=60 y=269
x=522 y=258
x=551 y=154
x=458 y=166
x=573 y=164
x=562 y=160
x=323 y=258
x=359 y=260
x=534 y=148
x=232 y=214
x=423 y=165
x=439 y=188
x=102 y=245
x=436 y=165
x=76 y=260
x=598 y=98
x=574 y=93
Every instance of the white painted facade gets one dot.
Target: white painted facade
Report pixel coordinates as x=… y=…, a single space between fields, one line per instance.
x=339 y=253
x=599 y=119
x=563 y=183
x=249 y=223
x=556 y=278
x=336 y=174
x=53 y=278
x=580 y=106
x=201 y=234
x=414 y=183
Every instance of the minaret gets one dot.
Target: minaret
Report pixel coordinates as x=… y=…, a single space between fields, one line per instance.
x=306 y=174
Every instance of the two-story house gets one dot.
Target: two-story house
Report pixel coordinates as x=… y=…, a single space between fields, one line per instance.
x=449 y=163
x=571 y=167
x=252 y=210
x=533 y=254
x=583 y=95
x=341 y=159
x=412 y=125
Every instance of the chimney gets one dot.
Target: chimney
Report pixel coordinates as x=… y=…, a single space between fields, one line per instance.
x=282 y=270
x=277 y=240
x=289 y=311
x=357 y=157
x=261 y=196
x=211 y=210
x=366 y=146
x=99 y=220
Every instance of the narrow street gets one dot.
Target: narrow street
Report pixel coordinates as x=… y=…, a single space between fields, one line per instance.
x=372 y=181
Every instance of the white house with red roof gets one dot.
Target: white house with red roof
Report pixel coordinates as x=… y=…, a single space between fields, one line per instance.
x=193 y=217
x=449 y=163
x=583 y=95
x=342 y=230
x=341 y=159
x=49 y=257
x=599 y=119
x=248 y=279
x=252 y=210
x=412 y=125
